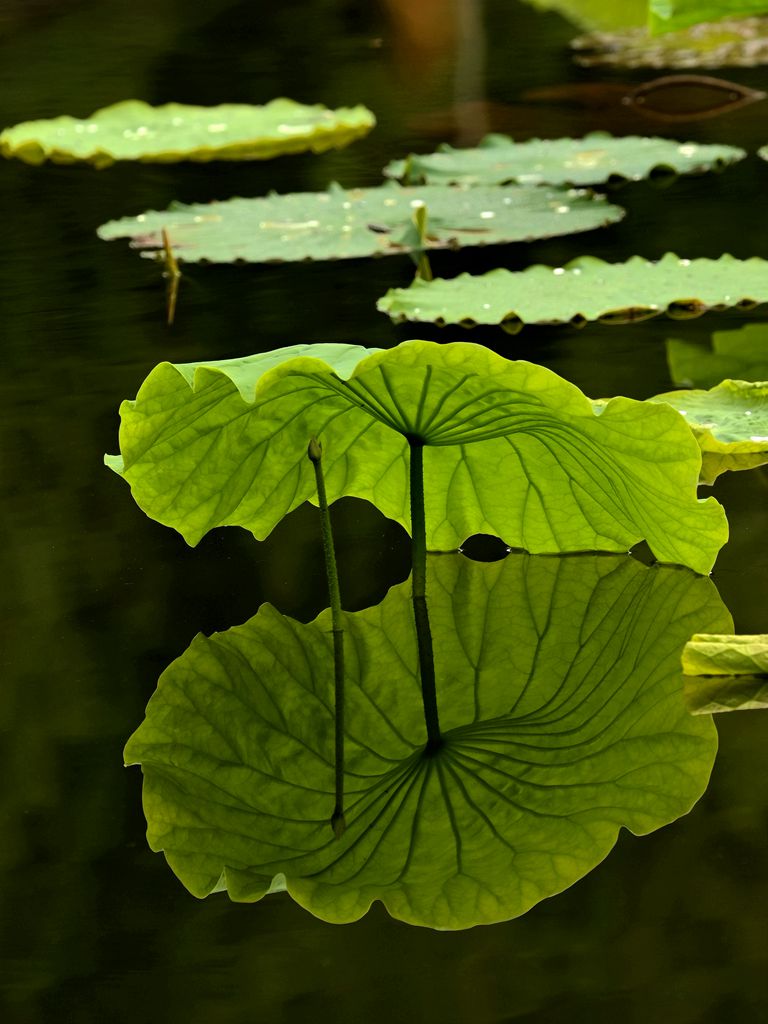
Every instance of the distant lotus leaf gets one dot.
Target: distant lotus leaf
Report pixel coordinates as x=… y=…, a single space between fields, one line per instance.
x=672 y=15
x=585 y=289
x=561 y=713
x=726 y=673
x=510 y=449
x=594 y=159
x=341 y=224
x=736 y=42
x=133 y=130
x=598 y=14
x=730 y=422
x=741 y=355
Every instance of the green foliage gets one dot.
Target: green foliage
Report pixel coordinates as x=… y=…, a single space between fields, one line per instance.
x=726 y=673
x=729 y=43
x=741 y=355
x=730 y=422
x=560 y=701
x=585 y=289
x=340 y=224
x=512 y=450
x=671 y=15
x=133 y=130
x=598 y=14
x=726 y=655
x=592 y=160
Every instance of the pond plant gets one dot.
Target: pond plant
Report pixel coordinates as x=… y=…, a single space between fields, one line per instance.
x=474 y=743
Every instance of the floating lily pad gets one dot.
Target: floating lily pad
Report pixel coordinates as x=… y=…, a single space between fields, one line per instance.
x=740 y=42
x=133 y=130
x=726 y=673
x=341 y=224
x=562 y=720
x=741 y=355
x=510 y=449
x=594 y=159
x=585 y=289
x=672 y=15
x=598 y=14
x=730 y=422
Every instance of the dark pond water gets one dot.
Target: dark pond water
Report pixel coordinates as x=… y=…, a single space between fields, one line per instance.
x=97 y=599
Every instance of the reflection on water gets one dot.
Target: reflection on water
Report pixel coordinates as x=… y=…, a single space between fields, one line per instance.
x=99 y=600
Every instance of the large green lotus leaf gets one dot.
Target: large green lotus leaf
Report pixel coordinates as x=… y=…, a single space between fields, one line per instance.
x=671 y=15
x=561 y=711
x=594 y=159
x=730 y=422
x=587 y=288
x=741 y=355
x=512 y=449
x=133 y=130
x=341 y=224
x=726 y=673
x=736 y=42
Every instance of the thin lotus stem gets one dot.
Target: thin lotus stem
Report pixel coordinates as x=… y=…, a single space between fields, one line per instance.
x=315 y=454
x=173 y=274
x=419 y=584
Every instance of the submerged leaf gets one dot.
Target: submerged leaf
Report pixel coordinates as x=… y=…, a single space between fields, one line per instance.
x=133 y=130
x=341 y=224
x=511 y=449
x=730 y=422
x=741 y=355
x=690 y=97
x=726 y=673
x=587 y=288
x=594 y=159
x=558 y=685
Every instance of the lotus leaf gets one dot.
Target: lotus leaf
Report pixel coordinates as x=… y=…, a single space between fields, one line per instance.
x=730 y=422
x=133 y=130
x=734 y=670
x=726 y=655
x=598 y=14
x=596 y=158
x=562 y=720
x=739 y=42
x=341 y=224
x=510 y=449
x=671 y=15
x=740 y=354
x=585 y=289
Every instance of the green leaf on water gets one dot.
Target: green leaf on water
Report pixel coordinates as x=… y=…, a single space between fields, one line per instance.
x=730 y=422
x=741 y=355
x=672 y=15
x=726 y=673
x=598 y=14
x=133 y=130
x=592 y=160
x=733 y=42
x=511 y=449
x=341 y=224
x=585 y=289
x=560 y=702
